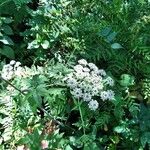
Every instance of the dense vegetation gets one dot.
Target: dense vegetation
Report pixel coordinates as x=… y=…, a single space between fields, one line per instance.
x=75 y=74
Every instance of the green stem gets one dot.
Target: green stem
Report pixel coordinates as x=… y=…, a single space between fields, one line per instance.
x=22 y=92
x=71 y=55
x=81 y=117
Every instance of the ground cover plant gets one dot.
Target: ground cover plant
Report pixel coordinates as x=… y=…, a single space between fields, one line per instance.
x=74 y=75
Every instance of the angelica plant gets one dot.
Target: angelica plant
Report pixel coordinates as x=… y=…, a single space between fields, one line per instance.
x=87 y=82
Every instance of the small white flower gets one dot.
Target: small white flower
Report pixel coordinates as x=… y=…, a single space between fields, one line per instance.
x=92 y=66
x=95 y=91
x=71 y=82
x=86 y=74
x=88 y=88
x=80 y=75
x=100 y=86
x=10 y=88
x=109 y=81
x=85 y=69
x=6 y=66
x=20 y=147
x=6 y=76
x=9 y=77
x=95 y=80
x=111 y=94
x=77 y=93
x=88 y=79
x=104 y=95
x=7 y=98
x=12 y=62
x=70 y=75
x=19 y=71
x=11 y=73
x=82 y=62
x=78 y=68
x=82 y=85
x=87 y=97
x=102 y=72
x=10 y=68
x=93 y=105
x=17 y=64
x=93 y=74
x=40 y=69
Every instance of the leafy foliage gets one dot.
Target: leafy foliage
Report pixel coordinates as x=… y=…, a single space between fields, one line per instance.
x=37 y=109
x=144 y=125
x=6 y=32
x=146 y=88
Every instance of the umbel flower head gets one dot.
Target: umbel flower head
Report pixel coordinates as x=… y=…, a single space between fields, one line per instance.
x=14 y=69
x=88 y=81
x=10 y=70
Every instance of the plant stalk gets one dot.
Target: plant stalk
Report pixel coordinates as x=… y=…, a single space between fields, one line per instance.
x=83 y=125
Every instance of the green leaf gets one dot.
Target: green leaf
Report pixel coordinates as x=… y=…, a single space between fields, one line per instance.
x=126 y=80
x=116 y=46
x=111 y=37
x=145 y=138
x=37 y=98
x=7 y=20
x=7 y=29
x=68 y=147
x=86 y=147
x=66 y=3
x=105 y=31
x=45 y=44
x=6 y=40
x=120 y=129
x=33 y=44
x=8 y=52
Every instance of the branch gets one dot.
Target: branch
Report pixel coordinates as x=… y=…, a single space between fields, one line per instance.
x=22 y=92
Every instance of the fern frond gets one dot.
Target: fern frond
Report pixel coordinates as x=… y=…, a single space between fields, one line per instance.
x=18 y=3
x=102 y=119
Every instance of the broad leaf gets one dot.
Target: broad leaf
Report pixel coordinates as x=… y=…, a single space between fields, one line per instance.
x=7 y=30
x=116 y=46
x=6 y=40
x=8 y=52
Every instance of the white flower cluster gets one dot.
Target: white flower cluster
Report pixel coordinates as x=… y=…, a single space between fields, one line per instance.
x=87 y=82
x=10 y=70
x=14 y=69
